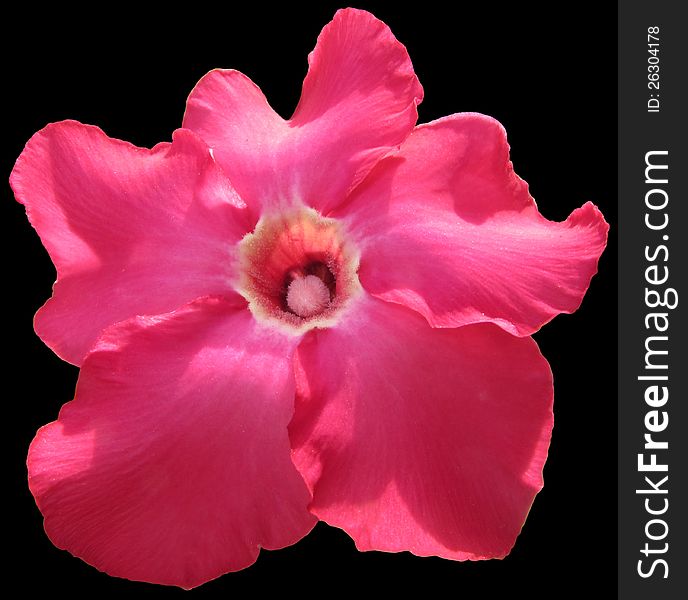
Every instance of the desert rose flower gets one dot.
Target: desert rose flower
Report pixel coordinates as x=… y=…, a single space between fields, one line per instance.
x=279 y=322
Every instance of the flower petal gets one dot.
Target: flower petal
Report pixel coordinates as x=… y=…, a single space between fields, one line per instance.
x=421 y=439
x=130 y=230
x=358 y=102
x=172 y=465
x=447 y=228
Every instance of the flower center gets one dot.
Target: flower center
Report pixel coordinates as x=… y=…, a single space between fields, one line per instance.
x=307 y=296
x=298 y=270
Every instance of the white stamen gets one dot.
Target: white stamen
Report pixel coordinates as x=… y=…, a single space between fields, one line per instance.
x=307 y=296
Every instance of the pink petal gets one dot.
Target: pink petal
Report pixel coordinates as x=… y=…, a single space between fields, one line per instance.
x=358 y=103
x=421 y=439
x=172 y=465
x=130 y=230
x=447 y=228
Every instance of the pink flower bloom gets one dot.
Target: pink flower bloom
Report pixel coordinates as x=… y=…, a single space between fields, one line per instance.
x=285 y=321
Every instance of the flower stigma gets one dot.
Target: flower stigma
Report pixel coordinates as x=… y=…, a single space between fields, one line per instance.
x=307 y=296
x=298 y=270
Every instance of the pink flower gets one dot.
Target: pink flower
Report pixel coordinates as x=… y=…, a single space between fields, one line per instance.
x=284 y=321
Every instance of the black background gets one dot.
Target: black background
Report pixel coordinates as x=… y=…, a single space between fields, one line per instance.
x=549 y=77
